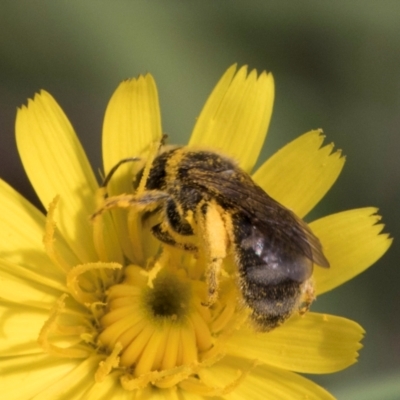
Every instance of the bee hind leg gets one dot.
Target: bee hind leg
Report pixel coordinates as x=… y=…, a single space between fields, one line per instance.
x=308 y=296
x=214 y=240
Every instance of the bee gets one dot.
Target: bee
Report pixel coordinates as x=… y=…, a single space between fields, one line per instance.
x=206 y=196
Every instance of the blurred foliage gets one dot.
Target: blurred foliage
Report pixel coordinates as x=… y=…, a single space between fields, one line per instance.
x=336 y=66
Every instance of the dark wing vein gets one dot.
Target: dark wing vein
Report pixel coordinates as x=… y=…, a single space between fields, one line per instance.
x=237 y=190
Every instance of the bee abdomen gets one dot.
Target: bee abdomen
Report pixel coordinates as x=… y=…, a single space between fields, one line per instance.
x=271 y=276
x=270 y=304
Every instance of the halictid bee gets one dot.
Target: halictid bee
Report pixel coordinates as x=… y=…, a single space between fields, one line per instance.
x=203 y=194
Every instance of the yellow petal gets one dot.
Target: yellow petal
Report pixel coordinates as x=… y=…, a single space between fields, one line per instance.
x=36 y=372
x=263 y=382
x=182 y=395
x=352 y=241
x=111 y=388
x=132 y=124
x=21 y=236
x=236 y=116
x=314 y=343
x=22 y=286
x=272 y=383
x=300 y=174
x=16 y=339
x=73 y=384
x=132 y=121
x=56 y=164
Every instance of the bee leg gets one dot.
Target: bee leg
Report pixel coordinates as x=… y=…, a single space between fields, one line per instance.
x=308 y=296
x=176 y=220
x=215 y=242
x=148 y=201
x=164 y=236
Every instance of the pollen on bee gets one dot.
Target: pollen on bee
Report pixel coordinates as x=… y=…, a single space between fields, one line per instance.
x=206 y=205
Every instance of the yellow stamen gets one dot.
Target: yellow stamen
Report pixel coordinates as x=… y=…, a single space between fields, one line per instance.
x=147 y=359
x=202 y=332
x=189 y=348
x=75 y=287
x=124 y=330
x=195 y=385
x=52 y=326
x=171 y=351
x=106 y=366
x=135 y=348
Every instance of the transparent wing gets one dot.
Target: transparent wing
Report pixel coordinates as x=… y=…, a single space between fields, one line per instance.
x=236 y=190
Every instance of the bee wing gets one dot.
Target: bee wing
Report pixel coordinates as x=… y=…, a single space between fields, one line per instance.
x=235 y=189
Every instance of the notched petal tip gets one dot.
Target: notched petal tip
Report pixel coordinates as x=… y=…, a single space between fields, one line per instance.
x=236 y=116
x=267 y=80
x=352 y=240
x=37 y=95
x=309 y=167
x=141 y=79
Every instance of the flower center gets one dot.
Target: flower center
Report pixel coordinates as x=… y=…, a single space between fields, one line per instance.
x=168 y=298
x=152 y=328
x=158 y=324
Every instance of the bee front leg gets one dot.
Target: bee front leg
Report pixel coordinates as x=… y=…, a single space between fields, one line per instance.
x=212 y=232
x=163 y=235
x=148 y=201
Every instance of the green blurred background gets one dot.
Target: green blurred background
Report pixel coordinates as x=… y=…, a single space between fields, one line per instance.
x=336 y=66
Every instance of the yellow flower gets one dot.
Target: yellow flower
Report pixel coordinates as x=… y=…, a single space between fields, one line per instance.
x=94 y=310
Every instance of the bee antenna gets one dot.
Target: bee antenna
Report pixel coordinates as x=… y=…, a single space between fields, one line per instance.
x=115 y=167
